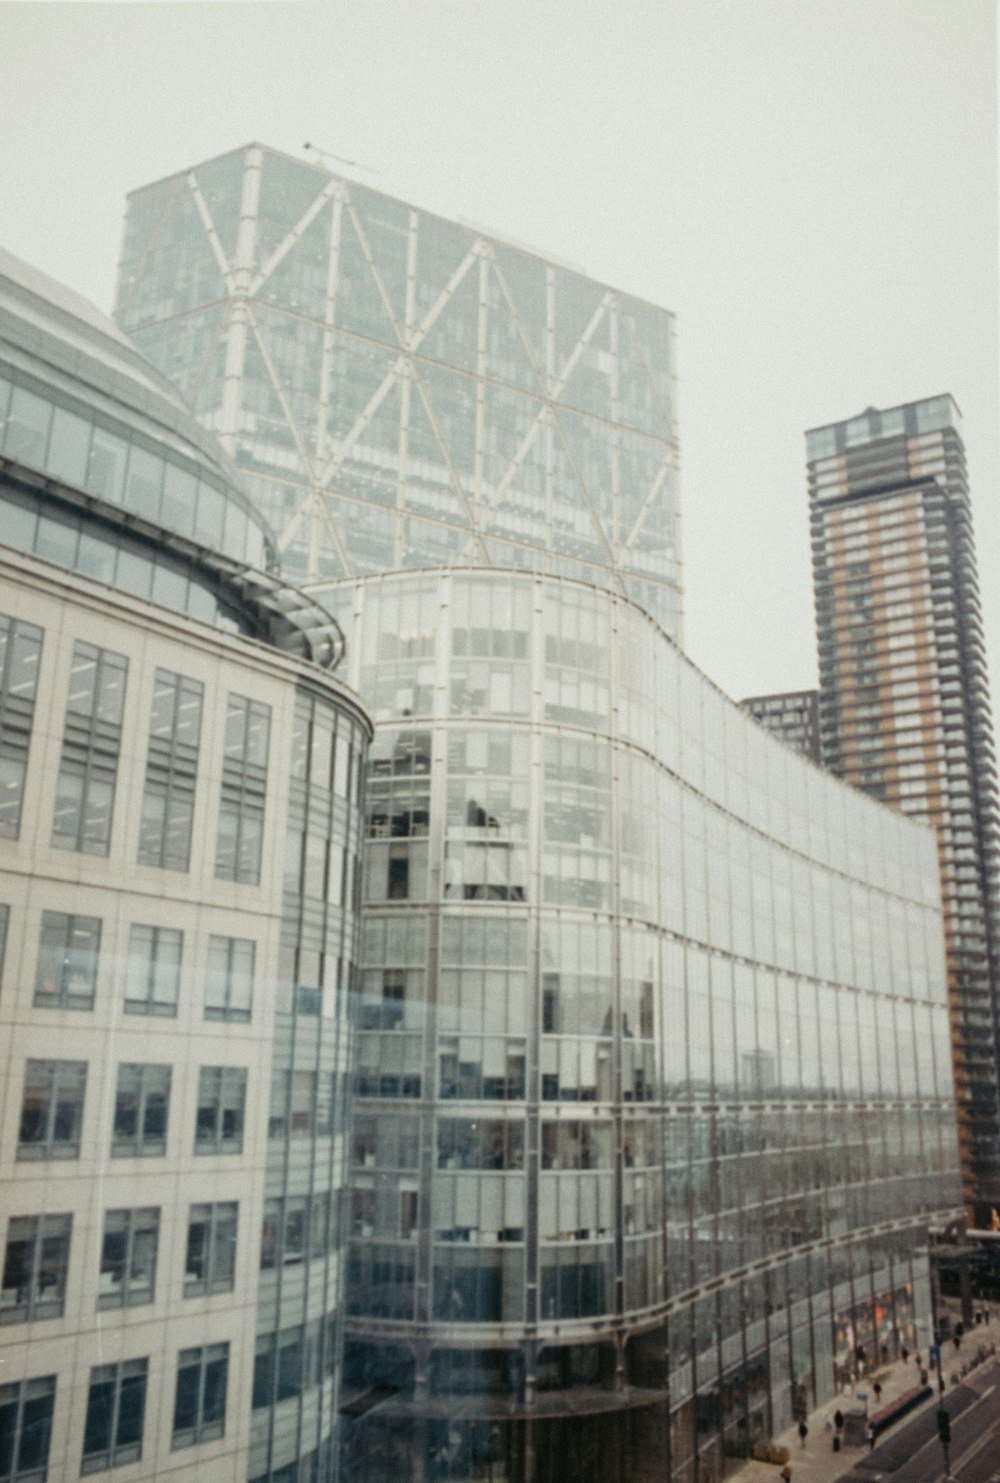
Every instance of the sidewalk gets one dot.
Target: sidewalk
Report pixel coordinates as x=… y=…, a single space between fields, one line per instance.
x=817 y=1462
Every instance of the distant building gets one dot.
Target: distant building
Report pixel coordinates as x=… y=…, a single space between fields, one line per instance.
x=405 y=391
x=904 y=700
x=173 y=1011
x=628 y=1186
x=793 y=716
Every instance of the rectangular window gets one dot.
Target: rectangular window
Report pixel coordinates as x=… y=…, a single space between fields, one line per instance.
x=88 y=769
x=116 y=1409
x=20 y=653
x=154 y=970
x=34 y=1268
x=244 y=786
x=68 y=950
x=200 y=1402
x=128 y=1257
x=211 y=1249
x=296 y=1227
x=221 y=1100
x=171 y=772
x=52 y=1110
x=229 y=978
x=142 y=1102
x=25 y=1428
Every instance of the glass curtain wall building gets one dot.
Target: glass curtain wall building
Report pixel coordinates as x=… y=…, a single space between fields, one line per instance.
x=401 y=390
x=173 y=1010
x=652 y=1100
x=629 y=1182
x=904 y=701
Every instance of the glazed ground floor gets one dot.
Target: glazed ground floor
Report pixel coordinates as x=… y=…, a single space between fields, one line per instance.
x=683 y=1401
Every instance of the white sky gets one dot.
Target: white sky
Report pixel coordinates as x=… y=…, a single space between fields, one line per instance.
x=811 y=185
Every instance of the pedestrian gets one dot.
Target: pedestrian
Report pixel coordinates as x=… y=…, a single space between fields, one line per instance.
x=786 y=1473
x=838 y=1419
x=878 y=1390
x=871 y=1437
x=803 y=1433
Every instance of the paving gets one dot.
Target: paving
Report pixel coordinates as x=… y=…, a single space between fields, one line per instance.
x=817 y=1462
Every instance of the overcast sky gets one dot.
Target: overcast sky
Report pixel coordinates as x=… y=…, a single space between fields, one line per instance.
x=810 y=185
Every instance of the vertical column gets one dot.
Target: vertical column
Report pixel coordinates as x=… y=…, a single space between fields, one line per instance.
x=239 y=303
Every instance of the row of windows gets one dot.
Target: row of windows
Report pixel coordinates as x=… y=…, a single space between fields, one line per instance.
x=36 y=1261
x=116 y=1410
x=52 y=1110
x=88 y=768
x=92 y=457
x=69 y=956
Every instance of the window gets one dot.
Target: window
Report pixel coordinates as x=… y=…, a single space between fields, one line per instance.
x=296 y=1227
x=244 y=784
x=52 y=1110
x=200 y=1404
x=301 y=1104
x=211 y=1249
x=88 y=770
x=171 y=772
x=398 y=888
x=221 y=1099
x=116 y=1407
x=128 y=1257
x=68 y=949
x=291 y=1362
x=229 y=978
x=34 y=1268
x=25 y=1429
x=154 y=970
x=20 y=652
x=142 y=1102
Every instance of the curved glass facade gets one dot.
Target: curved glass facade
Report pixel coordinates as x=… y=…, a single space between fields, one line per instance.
x=653 y=1094
x=79 y=403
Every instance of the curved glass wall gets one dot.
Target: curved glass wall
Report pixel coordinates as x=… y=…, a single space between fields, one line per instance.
x=88 y=409
x=652 y=1011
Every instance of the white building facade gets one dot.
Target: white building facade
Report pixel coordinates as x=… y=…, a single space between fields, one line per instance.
x=179 y=781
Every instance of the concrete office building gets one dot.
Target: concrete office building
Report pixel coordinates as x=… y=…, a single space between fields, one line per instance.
x=904 y=701
x=173 y=1010
x=629 y=1187
x=793 y=716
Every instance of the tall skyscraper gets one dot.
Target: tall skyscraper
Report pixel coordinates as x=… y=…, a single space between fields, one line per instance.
x=627 y=1190
x=904 y=701
x=173 y=1013
x=401 y=390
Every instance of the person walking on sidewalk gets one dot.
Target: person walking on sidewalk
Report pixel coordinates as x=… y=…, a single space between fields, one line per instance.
x=803 y=1433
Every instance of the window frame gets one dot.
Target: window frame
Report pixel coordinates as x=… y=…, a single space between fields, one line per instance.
x=151 y=1005
x=141 y=1145
x=215 y=1217
x=60 y=1076
x=204 y=1428
x=116 y=1453
x=215 y=1142
x=61 y=996
x=35 y=1308
x=142 y=1220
